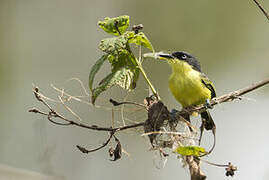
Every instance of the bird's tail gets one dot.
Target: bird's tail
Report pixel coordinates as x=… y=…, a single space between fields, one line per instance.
x=208 y=124
x=208 y=121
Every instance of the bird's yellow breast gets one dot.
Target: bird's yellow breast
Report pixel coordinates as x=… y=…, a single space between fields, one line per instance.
x=186 y=85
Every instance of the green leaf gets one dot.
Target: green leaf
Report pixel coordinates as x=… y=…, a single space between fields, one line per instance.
x=139 y=39
x=124 y=77
x=113 y=45
x=106 y=83
x=123 y=59
x=115 y=26
x=118 y=50
x=118 y=46
x=95 y=68
x=127 y=78
x=191 y=151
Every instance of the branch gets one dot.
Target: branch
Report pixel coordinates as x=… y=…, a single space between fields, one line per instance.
x=84 y=150
x=157 y=113
x=200 y=108
x=262 y=9
x=225 y=98
x=194 y=167
x=52 y=113
x=194 y=164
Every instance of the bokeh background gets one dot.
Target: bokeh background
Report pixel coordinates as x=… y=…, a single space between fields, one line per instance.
x=44 y=42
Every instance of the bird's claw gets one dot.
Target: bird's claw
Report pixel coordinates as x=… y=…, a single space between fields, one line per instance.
x=173 y=113
x=207 y=104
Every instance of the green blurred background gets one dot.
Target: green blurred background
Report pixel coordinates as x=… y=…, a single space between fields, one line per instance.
x=44 y=42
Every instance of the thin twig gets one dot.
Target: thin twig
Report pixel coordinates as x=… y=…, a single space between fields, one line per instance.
x=262 y=9
x=76 y=98
x=84 y=150
x=230 y=169
x=121 y=111
x=214 y=164
x=69 y=109
x=81 y=85
x=112 y=118
x=169 y=133
x=82 y=125
x=55 y=114
x=162 y=132
x=115 y=103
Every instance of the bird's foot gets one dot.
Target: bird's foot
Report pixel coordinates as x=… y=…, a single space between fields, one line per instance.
x=207 y=104
x=173 y=113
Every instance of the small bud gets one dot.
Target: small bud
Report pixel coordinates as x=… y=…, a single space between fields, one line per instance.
x=138 y=27
x=230 y=170
x=34 y=110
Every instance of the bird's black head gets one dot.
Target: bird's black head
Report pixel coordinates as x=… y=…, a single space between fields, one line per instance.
x=191 y=60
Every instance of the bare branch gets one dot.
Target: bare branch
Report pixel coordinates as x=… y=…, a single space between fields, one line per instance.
x=115 y=103
x=68 y=108
x=55 y=114
x=84 y=150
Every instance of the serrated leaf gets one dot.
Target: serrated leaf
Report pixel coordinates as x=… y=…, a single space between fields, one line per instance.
x=139 y=39
x=95 y=68
x=124 y=77
x=191 y=151
x=113 y=45
x=123 y=59
x=113 y=25
x=119 y=55
x=127 y=78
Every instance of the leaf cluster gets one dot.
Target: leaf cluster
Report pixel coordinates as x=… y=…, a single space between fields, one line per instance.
x=117 y=51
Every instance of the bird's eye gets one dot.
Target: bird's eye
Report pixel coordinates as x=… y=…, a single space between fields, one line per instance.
x=184 y=56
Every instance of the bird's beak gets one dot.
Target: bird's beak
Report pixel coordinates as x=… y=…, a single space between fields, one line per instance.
x=159 y=55
x=164 y=56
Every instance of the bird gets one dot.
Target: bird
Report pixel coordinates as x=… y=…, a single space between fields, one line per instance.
x=189 y=85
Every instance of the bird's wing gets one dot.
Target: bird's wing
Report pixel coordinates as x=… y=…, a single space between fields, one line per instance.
x=208 y=84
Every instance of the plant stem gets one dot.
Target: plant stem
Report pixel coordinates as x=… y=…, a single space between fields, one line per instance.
x=139 y=65
x=146 y=78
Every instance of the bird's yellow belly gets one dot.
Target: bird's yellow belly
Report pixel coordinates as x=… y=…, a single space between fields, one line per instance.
x=188 y=90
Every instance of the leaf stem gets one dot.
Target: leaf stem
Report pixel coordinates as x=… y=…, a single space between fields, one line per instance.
x=139 y=65
x=146 y=78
